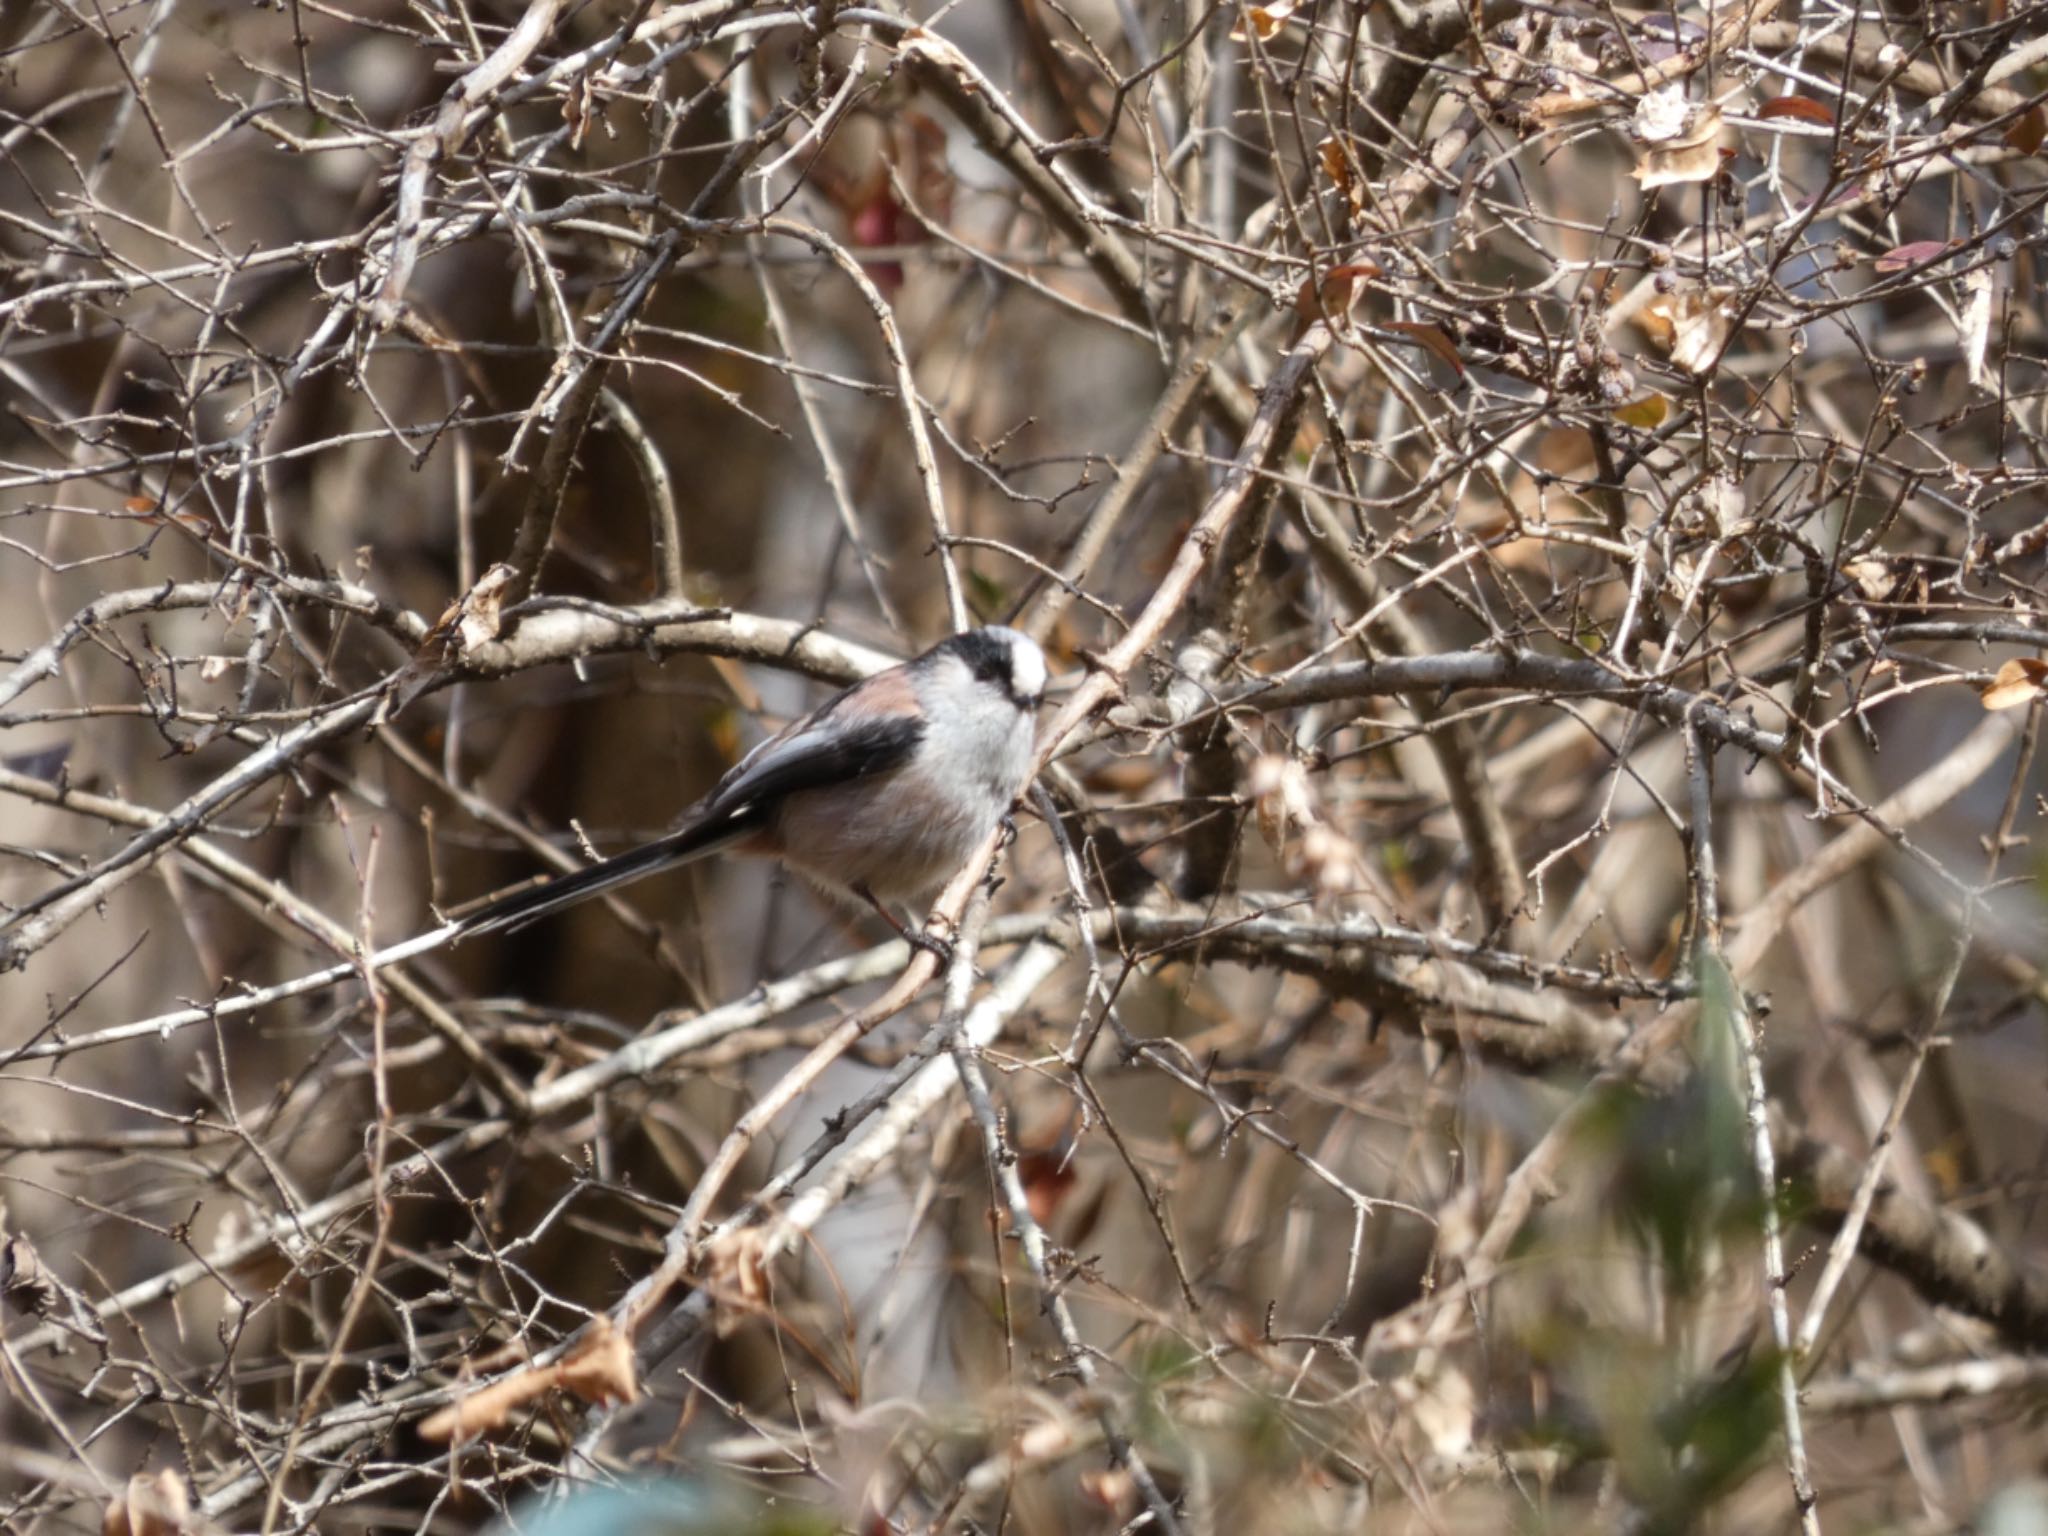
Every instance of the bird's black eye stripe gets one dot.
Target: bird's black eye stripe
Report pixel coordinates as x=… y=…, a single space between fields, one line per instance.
x=988 y=658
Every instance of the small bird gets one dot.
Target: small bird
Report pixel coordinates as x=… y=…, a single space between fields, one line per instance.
x=883 y=792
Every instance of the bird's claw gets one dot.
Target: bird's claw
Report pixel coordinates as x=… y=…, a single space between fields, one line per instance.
x=939 y=949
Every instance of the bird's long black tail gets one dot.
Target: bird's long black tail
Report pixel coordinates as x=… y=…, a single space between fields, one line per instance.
x=685 y=845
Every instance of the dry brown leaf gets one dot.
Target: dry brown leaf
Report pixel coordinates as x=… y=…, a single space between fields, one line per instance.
x=1291 y=821
x=477 y=621
x=576 y=110
x=471 y=620
x=1800 y=108
x=1431 y=338
x=1331 y=297
x=1693 y=323
x=1872 y=575
x=1047 y=1177
x=488 y=1408
x=600 y=1369
x=1336 y=164
x=2028 y=131
x=23 y=1280
x=149 y=1506
x=2019 y=681
x=1646 y=413
x=1265 y=20
x=1693 y=155
x=736 y=1270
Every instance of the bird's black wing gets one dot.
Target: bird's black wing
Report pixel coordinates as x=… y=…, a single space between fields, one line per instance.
x=819 y=752
x=814 y=754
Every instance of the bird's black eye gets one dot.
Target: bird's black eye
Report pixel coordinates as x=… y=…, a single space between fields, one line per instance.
x=993 y=668
x=1006 y=662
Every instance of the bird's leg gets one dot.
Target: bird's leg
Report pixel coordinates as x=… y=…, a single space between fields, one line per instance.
x=916 y=938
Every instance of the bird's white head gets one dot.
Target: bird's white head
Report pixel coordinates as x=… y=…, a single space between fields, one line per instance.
x=1005 y=659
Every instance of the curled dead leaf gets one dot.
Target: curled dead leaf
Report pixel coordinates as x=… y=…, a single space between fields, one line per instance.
x=473 y=619
x=1263 y=20
x=1331 y=296
x=598 y=1370
x=488 y=1408
x=1336 y=164
x=149 y=1506
x=1799 y=108
x=1432 y=339
x=1292 y=822
x=1692 y=322
x=2028 y=131
x=2019 y=681
x=1871 y=576
x=477 y=617
x=736 y=1271
x=576 y=110
x=23 y=1280
x=1047 y=1177
x=1691 y=154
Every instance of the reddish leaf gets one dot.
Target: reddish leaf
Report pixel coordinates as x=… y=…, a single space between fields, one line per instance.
x=1430 y=338
x=1047 y=1179
x=2029 y=131
x=1331 y=298
x=1911 y=254
x=882 y=221
x=1800 y=107
x=1335 y=165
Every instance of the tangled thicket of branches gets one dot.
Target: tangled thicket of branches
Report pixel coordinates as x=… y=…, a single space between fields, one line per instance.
x=1515 y=999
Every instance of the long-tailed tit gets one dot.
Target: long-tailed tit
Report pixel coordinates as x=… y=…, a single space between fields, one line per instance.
x=884 y=791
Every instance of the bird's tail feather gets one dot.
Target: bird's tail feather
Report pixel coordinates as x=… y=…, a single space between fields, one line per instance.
x=685 y=845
